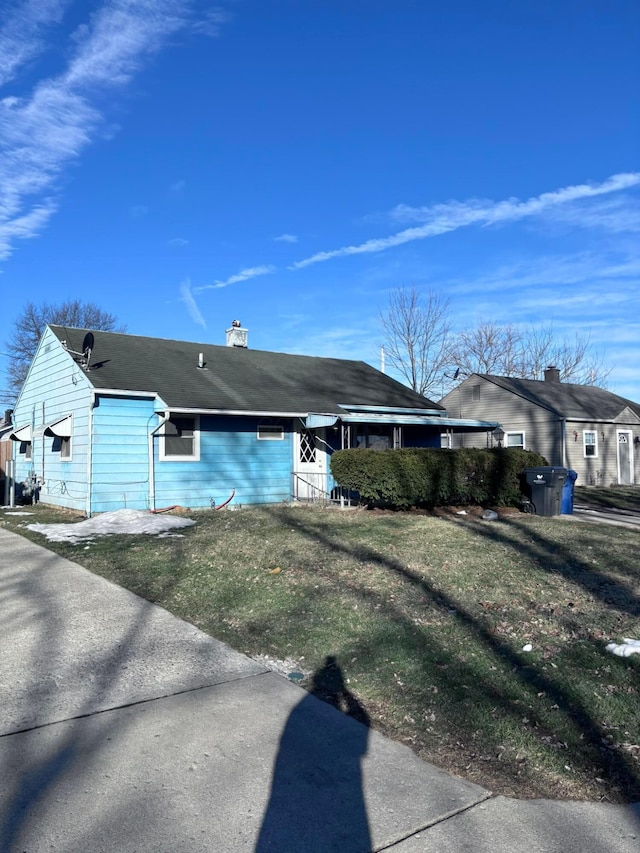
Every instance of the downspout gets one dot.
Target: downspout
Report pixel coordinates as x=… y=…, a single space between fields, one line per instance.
x=563 y=438
x=43 y=444
x=152 y=475
x=92 y=403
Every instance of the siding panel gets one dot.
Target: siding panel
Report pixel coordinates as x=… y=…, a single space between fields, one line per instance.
x=55 y=387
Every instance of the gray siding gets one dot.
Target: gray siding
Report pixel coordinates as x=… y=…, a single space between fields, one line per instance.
x=603 y=468
x=489 y=402
x=543 y=431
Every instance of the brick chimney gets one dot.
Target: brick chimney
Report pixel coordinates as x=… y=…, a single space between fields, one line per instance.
x=552 y=374
x=236 y=335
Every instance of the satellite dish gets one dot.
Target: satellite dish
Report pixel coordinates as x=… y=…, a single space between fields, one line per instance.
x=84 y=356
x=87 y=343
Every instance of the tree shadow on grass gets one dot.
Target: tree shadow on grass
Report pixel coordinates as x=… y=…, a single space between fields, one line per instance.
x=462 y=678
x=316 y=802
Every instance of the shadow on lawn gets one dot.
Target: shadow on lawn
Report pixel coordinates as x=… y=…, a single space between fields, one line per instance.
x=458 y=675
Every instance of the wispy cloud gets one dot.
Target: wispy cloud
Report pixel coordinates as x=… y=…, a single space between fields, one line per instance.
x=209 y=23
x=286 y=238
x=177 y=242
x=177 y=186
x=186 y=296
x=43 y=133
x=618 y=214
x=553 y=271
x=444 y=218
x=24 y=227
x=138 y=211
x=243 y=275
x=22 y=33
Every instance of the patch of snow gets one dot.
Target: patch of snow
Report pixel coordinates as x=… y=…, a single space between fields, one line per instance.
x=118 y=521
x=527 y=648
x=490 y=515
x=624 y=649
x=19 y=513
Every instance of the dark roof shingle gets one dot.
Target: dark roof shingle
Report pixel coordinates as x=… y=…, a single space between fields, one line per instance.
x=236 y=379
x=565 y=399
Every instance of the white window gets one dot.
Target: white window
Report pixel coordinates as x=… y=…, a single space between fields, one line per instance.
x=62 y=445
x=590 y=442
x=270 y=432
x=514 y=439
x=180 y=439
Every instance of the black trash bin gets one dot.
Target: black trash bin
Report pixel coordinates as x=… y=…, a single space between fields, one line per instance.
x=566 y=506
x=545 y=486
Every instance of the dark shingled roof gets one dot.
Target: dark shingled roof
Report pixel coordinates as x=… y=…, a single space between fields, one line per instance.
x=235 y=378
x=586 y=402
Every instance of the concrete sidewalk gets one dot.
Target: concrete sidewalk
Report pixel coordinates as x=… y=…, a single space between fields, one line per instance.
x=605 y=515
x=123 y=728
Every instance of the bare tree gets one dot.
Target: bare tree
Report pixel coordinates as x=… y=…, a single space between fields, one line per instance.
x=526 y=352
x=416 y=332
x=487 y=348
x=30 y=324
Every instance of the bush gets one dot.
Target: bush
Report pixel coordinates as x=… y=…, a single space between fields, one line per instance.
x=433 y=477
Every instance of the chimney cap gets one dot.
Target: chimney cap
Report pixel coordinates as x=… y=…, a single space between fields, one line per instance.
x=237 y=335
x=552 y=374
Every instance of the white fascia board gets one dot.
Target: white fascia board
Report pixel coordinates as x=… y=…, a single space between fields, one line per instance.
x=120 y=392
x=386 y=410
x=236 y=412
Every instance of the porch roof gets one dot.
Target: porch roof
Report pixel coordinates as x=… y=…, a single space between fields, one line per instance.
x=316 y=420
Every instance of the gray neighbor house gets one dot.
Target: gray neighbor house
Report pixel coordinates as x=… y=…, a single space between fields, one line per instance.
x=581 y=427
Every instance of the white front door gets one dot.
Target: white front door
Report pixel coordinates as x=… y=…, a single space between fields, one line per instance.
x=625 y=457
x=309 y=466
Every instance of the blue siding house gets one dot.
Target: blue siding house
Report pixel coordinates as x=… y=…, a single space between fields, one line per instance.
x=107 y=420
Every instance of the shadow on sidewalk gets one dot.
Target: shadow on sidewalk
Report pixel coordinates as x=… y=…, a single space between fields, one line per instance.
x=317 y=800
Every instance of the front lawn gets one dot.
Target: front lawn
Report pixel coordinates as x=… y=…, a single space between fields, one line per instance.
x=428 y=618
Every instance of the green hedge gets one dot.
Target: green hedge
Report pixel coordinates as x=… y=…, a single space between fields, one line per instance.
x=435 y=477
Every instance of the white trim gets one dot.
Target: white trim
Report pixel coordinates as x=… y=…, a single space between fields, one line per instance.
x=273 y=436
x=516 y=432
x=586 y=455
x=629 y=433
x=62 y=440
x=116 y=392
x=240 y=413
x=195 y=456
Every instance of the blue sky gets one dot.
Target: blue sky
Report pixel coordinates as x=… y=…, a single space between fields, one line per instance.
x=289 y=163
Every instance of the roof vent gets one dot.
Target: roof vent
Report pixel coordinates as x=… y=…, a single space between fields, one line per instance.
x=552 y=374
x=236 y=335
